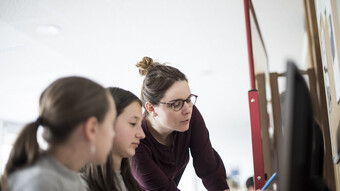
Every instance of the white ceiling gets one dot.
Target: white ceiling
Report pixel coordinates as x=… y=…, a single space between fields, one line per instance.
x=103 y=39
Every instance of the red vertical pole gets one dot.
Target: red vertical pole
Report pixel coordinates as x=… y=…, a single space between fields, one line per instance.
x=254 y=110
x=256 y=139
x=249 y=44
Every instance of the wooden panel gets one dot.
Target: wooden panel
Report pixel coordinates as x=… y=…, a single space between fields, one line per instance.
x=331 y=175
x=264 y=117
x=276 y=112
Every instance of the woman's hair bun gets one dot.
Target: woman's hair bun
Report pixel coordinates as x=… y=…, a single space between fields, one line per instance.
x=145 y=65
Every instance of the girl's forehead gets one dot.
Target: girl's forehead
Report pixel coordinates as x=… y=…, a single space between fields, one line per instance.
x=134 y=109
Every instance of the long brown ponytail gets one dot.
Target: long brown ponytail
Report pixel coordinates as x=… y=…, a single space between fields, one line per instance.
x=24 y=153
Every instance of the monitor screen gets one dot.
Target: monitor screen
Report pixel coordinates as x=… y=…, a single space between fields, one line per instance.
x=294 y=171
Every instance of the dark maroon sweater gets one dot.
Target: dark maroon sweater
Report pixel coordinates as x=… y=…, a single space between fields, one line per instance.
x=159 y=167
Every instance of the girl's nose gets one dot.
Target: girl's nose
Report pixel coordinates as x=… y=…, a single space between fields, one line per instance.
x=140 y=133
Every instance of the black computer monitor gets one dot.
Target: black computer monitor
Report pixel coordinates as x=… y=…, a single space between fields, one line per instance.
x=296 y=141
x=301 y=141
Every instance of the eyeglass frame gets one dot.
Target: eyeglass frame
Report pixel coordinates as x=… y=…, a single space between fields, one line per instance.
x=170 y=104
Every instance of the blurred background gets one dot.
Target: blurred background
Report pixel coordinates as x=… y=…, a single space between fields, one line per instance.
x=42 y=40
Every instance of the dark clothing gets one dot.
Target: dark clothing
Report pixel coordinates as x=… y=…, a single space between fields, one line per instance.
x=159 y=167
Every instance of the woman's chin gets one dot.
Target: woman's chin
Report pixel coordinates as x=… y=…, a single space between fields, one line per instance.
x=183 y=128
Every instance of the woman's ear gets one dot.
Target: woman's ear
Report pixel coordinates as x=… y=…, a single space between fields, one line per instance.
x=90 y=128
x=150 y=108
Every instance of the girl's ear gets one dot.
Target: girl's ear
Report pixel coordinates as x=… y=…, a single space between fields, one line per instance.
x=90 y=128
x=150 y=108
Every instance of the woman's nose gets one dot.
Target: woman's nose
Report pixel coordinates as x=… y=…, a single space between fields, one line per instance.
x=186 y=108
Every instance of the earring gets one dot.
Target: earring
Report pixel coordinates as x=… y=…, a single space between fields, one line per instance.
x=92 y=148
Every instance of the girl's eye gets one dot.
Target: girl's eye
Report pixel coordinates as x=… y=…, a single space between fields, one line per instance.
x=132 y=124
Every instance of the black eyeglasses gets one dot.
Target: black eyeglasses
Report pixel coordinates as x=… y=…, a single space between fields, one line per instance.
x=178 y=104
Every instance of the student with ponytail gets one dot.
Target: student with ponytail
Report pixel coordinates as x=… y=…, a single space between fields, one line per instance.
x=115 y=174
x=173 y=126
x=77 y=116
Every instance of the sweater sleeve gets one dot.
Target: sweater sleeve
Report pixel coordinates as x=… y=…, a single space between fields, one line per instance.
x=148 y=174
x=34 y=183
x=207 y=163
